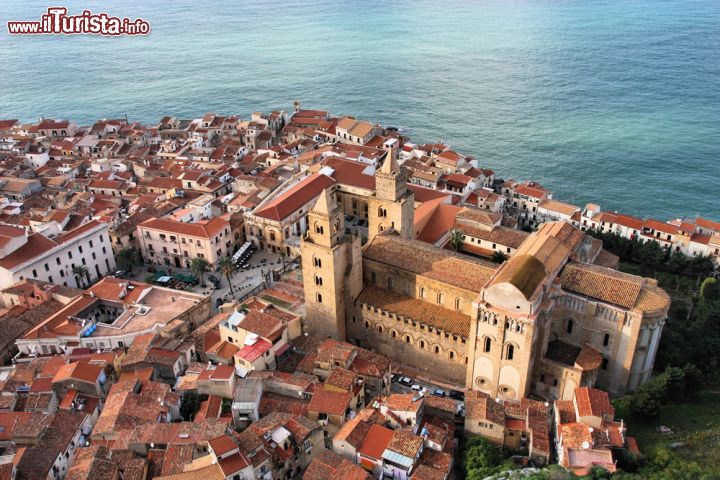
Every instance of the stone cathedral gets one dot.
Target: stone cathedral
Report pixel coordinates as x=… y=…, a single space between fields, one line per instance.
x=544 y=322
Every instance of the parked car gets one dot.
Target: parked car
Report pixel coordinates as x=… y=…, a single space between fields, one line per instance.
x=218 y=302
x=456 y=395
x=407 y=381
x=119 y=274
x=438 y=392
x=213 y=279
x=416 y=387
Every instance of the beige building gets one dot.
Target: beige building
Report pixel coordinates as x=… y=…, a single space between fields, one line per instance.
x=175 y=244
x=545 y=322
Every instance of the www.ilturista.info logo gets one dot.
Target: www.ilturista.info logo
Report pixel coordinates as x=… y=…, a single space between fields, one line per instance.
x=58 y=22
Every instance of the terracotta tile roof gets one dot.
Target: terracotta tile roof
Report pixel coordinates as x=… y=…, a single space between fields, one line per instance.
x=233 y=464
x=368 y=363
x=508 y=237
x=560 y=207
x=589 y=358
x=434 y=466
x=266 y=326
x=330 y=402
x=426 y=313
x=612 y=286
x=347 y=172
x=565 y=410
x=341 y=378
x=204 y=229
x=222 y=445
x=250 y=353
x=479 y=406
x=405 y=443
x=439 y=223
x=353 y=432
x=297 y=196
x=593 y=402
x=423 y=259
x=329 y=464
x=376 y=441
x=36 y=244
x=402 y=402
x=85 y=372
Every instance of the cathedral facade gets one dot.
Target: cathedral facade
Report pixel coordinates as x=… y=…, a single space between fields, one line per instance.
x=544 y=322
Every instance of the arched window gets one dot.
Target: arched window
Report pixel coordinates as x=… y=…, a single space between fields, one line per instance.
x=389 y=282
x=382 y=213
x=466 y=359
x=394 y=334
x=408 y=339
x=367 y=324
x=318 y=297
x=451 y=355
x=606 y=340
x=457 y=304
x=318 y=280
x=422 y=344
x=319 y=229
x=317 y=262
x=569 y=326
x=510 y=352
x=380 y=329
x=437 y=349
x=440 y=298
x=487 y=345
x=422 y=292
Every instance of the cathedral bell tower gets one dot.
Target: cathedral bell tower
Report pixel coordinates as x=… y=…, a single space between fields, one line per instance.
x=393 y=205
x=332 y=268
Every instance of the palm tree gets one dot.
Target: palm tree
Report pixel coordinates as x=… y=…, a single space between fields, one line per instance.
x=456 y=239
x=499 y=257
x=127 y=258
x=81 y=273
x=227 y=268
x=199 y=266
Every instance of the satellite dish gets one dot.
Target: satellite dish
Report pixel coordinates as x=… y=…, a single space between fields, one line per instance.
x=591 y=429
x=585 y=445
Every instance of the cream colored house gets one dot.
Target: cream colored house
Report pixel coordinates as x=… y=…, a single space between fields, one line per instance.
x=175 y=244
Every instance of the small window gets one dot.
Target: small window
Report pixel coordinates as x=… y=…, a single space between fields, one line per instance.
x=457 y=304
x=606 y=340
x=510 y=352
x=318 y=297
x=569 y=326
x=487 y=345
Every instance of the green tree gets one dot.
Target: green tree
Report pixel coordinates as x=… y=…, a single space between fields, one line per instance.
x=710 y=290
x=227 y=268
x=499 y=257
x=456 y=239
x=82 y=275
x=677 y=263
x=190 y=405
x=480 y=458
x=127 y=258
x=200 y=266
x=650 y=253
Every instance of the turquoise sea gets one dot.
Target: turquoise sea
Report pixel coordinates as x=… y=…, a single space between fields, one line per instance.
x=612 y=101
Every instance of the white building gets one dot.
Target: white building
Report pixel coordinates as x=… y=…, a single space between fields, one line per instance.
x=35 y=256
